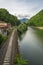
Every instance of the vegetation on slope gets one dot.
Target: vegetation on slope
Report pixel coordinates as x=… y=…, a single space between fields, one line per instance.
x=2 y=39
x=7 y=17
x=22 y=28
x=37 y=20
x=20 y=61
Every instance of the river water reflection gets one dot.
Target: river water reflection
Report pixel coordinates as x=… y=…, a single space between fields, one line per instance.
x=31 y=46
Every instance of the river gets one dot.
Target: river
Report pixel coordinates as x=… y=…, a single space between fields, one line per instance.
x=31 y=46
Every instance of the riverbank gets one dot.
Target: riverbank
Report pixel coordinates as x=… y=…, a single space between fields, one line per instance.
x=41 y=28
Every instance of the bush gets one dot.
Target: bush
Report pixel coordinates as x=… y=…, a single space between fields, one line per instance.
x=22 y=28
x=20 y=61
x=2 y=39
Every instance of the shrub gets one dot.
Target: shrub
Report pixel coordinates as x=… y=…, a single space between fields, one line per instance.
x=20 y=61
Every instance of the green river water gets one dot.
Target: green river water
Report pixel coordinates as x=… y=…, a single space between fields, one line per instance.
x=31 y=46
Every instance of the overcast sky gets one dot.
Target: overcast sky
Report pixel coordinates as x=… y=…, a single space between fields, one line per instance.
x=25 y=8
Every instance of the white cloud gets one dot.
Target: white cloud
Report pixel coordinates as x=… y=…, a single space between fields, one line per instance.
x=22 y=7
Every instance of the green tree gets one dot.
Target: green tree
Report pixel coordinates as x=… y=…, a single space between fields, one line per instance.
x=7 y=17
x=22 y=28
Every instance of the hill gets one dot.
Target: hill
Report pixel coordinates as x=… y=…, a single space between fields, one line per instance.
x=37 y=20
x=23 y=20
x=7 y=17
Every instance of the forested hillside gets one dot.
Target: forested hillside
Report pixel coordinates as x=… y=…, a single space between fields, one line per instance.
x=37 y=20
x=7 y=17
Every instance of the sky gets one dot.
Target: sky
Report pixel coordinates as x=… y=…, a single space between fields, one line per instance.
x=22 y=8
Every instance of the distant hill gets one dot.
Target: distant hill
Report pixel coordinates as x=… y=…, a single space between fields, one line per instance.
x=23 y=20
x=37 y=20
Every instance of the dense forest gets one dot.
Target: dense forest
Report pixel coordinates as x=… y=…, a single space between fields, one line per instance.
x=36 y=20
x=7 y=17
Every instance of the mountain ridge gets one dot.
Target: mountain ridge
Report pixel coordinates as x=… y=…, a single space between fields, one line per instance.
x=24 y=20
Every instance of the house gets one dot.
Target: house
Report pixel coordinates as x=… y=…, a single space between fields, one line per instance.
x=4 y=27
